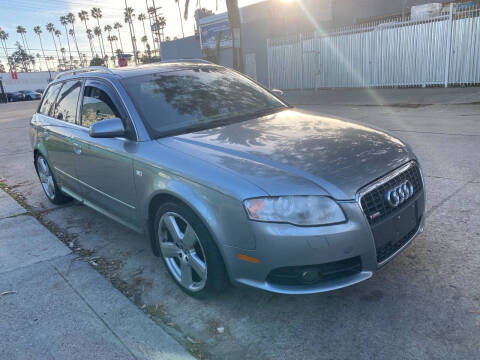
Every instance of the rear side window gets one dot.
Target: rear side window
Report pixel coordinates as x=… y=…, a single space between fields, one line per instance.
x=97 y=106
x=67 y=101
x=49 y=99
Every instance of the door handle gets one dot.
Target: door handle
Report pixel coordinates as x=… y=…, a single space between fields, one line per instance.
x=77 y=149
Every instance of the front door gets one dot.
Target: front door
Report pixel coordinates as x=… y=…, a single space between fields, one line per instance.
x=105 y=166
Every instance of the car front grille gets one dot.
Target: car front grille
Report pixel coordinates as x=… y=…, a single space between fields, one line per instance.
x=393 y=227
x=374 y=202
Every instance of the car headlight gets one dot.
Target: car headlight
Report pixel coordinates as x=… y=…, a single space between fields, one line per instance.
x=297 y=210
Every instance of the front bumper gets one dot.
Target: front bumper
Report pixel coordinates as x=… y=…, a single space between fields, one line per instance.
x=284 y=245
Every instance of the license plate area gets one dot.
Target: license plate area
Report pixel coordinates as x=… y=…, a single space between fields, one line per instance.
x=396 y=230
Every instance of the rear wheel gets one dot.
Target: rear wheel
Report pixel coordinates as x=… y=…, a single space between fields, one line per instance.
x=48 y=182
x=188 y=251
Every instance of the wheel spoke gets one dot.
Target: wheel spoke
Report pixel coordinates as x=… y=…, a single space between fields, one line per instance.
x=172 y=227
x=51 y=186
x=198 y=265
x=169 y=249
x=189 y=237
x=186 y=270
x=43 y=166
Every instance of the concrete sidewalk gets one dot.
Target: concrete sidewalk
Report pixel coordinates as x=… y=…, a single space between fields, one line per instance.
x=54 y=305
x=377 y=97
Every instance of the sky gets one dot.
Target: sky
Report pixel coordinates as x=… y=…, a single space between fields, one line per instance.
x=30 y=13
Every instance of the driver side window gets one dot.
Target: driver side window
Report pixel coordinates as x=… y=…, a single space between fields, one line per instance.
x=97 y=106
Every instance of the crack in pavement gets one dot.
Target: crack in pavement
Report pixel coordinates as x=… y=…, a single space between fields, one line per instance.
x=428 y=213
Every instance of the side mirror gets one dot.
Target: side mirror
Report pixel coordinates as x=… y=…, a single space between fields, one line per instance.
x=278 y=92
x=108 y=128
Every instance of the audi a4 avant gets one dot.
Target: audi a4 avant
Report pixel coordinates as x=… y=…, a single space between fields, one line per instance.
x=229 y=183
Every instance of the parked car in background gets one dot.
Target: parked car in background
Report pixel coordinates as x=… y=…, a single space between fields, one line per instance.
x=40 y=91
x=15 y=96
x=31 y=95
x=227 y=180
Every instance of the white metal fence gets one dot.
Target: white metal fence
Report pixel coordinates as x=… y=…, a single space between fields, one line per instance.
x=441 y=50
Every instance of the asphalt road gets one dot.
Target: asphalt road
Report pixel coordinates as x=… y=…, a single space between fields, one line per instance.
x=425 y=304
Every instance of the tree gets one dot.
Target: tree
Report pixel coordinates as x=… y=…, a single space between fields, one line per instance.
x=22 y=31
x=110 y=40
x=2 y=68
x=21 y=58
x=98 y=33
x=108 y=29
x=71 y=20
x=38 y=30
x=180 y=14
x=57 y=34
x=83 y=16
x=96 y=61
x=4 y=38
x=128 y=18
x=142 y=18
x=90 y=38
x=64 y=22
x=51 y=29
x=97 y=15
x=117 y=26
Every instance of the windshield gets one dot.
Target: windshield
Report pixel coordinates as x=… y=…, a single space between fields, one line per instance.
x=197 y=98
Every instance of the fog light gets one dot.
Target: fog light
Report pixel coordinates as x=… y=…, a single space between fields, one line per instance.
x=309 y=276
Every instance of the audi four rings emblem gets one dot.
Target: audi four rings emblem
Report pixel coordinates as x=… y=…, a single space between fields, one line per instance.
x=400 y=193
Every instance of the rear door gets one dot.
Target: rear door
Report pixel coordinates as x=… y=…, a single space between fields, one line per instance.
x=105 y=166
x=60 y=132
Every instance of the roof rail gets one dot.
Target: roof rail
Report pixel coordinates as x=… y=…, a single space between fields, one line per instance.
x=85 y=69
x=195 y=61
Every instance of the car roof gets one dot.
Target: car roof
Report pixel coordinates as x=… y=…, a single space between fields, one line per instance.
x=132 y=71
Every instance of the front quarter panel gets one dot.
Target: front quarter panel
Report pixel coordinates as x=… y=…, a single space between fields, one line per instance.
x=162 y=171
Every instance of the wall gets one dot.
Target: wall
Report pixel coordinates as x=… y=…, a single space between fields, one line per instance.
x=26 y=81
x=186 y=48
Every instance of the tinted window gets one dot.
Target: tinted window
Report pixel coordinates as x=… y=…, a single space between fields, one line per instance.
x=49 y=99
x=97 y=106
x=204 y=96
x=66 y=104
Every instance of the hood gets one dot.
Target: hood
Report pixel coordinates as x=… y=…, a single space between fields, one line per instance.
x=286 y=150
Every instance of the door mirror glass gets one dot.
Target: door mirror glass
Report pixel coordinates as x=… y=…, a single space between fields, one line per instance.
x=108 y=128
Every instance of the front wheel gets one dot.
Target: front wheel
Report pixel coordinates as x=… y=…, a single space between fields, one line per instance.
x=188 y=251
x=48 y=182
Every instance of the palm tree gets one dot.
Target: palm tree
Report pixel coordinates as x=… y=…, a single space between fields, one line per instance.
x=98 y=33
x=142 y=18
x=51 y=29
x=129 y=15
x=117 y=26
x=180 y=14
x=83 y=16
x=144 y=40
x=57 y=34
x=97 y=15
x=71 y=20
x=4 y=38
x=38 y=30
x=64 y=22
x=90 y=38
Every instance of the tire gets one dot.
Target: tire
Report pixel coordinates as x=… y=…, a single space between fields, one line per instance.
x=188 y=258
x=49 y=184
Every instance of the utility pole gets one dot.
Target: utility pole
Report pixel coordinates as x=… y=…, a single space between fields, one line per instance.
x=131 y=34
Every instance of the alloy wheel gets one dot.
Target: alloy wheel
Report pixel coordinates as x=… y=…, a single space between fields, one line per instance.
x=46 y=177
x=182 y=251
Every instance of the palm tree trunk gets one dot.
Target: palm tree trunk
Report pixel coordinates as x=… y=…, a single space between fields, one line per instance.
x=89 y=40
x=181 y=20
x=120 y=38
x=4 y=45
x=76 y=44
x=101 y=37
x=68 y=42
x=56 y=50
x=43 y=52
